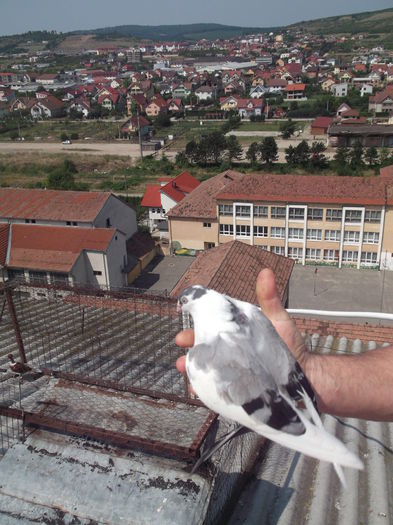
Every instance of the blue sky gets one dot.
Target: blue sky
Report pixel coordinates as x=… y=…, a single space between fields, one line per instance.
x=18 y=16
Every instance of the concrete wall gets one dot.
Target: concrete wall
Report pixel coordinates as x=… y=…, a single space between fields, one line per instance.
x=120 y=215
x=116 y=261
x=191 y=233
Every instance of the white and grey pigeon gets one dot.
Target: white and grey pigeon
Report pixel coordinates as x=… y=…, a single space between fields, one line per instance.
x=241 y=368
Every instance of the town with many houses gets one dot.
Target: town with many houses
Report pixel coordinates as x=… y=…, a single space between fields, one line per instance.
x=265 y=150
x=313 y=218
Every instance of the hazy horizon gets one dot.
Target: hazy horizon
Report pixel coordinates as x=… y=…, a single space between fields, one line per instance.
x=24 y=15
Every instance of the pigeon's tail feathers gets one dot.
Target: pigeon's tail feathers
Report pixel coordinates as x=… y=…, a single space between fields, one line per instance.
x=340 y=474
x=316 y=441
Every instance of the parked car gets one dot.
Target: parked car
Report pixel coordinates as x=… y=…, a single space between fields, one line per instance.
x=66 y=141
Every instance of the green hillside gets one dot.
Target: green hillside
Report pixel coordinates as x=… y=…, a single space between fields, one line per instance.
x=174 y=32
x=368 y=22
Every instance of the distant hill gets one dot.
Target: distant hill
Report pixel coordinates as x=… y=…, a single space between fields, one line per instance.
x=368 y=22
x=174 y=32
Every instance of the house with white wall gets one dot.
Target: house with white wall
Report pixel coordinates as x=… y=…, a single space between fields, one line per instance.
x=65 y=236
x=162 y=197
x=85 y=209
x=59 y=255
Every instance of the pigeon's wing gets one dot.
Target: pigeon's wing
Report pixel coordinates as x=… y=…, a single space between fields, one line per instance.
x=266 y=345
x=242 y=379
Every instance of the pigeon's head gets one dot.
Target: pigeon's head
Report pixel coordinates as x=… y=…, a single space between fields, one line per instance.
x=190 y=296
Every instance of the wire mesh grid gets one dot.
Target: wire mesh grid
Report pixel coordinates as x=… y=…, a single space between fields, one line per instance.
x=123 y=341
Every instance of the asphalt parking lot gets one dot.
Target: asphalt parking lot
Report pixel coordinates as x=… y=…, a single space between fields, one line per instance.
x=163 y=273
x=346 y=289
x=329 y=288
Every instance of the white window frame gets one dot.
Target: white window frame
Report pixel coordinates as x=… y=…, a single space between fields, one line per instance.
x=259 y=213
x=259 y=229
x=371 y=237
x=331 y=255
x=310 y=214
x=350 y=256
x=243 y=230
x=278 y=250
x=295 y=252
x=226 y=229
x=275 y=216
x=334 y=217
x=225 y=210
x=351 y=237
x=294 y=210
x=273 y=232
x=328 y=235
x=373 y=216
x=372 y=256
x=313 y=254
x=314 y=234
x=295 y=234
x=246 y=211
x=351 y=211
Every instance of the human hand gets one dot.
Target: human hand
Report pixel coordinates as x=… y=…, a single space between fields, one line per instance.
x=273 y=309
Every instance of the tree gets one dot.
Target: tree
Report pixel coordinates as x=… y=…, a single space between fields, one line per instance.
x=212 y=147
x=269 y=150
x=287 y=128
x=371 y=155
x=192 y=152
x=162 y=120
x=384 y=159
x=234 y=149
x=303 y=153
x=341 y=156
x=181 y=159
x=253 y=152
x=318 y=159
x=290 y=156
x=356 y=155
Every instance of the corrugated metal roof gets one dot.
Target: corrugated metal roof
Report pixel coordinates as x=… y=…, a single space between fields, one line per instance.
x=85 y=482
x=289 y=488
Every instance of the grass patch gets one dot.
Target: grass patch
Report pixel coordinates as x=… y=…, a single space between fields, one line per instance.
x=51 y=130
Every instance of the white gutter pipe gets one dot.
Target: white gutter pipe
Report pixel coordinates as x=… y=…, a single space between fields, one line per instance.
x=336 y=313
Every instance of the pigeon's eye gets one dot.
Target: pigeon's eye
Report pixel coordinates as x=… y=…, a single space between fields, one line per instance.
x=183 y=300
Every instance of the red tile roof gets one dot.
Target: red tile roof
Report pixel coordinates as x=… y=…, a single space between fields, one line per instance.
x=232 y=268
x=295 y=87
x=4 y=230
x=321 y=122
x=180 y=186
x=152 y=196
x=82 y=206
x=201 y=203
x=308 y=188
x=54 y=248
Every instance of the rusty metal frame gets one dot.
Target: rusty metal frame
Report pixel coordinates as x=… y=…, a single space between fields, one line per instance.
x=116 y=438
x=156 y=394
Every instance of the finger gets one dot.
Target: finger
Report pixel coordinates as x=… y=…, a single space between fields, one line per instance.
x=185 y=339
x=268 y=297
x=181 y=364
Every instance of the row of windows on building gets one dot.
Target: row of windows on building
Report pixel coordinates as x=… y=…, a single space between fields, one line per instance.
x=298 y=214
x=312 y=234
x=316 y=254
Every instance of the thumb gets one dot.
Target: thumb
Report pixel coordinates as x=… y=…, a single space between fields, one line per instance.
x=268 y=297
